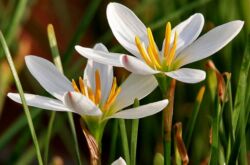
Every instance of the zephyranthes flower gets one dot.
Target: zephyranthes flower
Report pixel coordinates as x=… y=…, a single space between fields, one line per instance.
x=96 y=94
x=180 y=45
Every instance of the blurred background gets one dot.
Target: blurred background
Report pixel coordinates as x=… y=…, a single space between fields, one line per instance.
x=24 y=24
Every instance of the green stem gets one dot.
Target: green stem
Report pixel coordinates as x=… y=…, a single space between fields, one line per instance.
x=46 y=148
x=20 y=90
x=191 y=123
x=124 y=140
x=215 y=133
x=57 y=60
x=134 y=135
x=73 y=130
x=113 y=141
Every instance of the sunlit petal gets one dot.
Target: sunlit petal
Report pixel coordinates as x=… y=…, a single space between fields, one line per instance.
x=125 y=25
x=209 y=43
x=81 y=104
x=135 y=86
x=100 y=56
x=141 y=111
x=187 y=75
x=106 y=74
x=48 y=76
x=136 y=65
x=40 y=102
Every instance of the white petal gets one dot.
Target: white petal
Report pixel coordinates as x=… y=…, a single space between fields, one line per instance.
x=141 y=111
x=125 y=25
x=100 y=56
x=187 y=75
x=188 y=31
x=119 y=161
x=106 y=74
x=136 y=65
x=135 y=86
x=48 y=76
x=81 y=104
x=39 y=102
x=209 y=43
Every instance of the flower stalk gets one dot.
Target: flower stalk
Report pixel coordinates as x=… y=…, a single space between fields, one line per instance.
x=124 y=137
x=134 y=135
x=167 y=123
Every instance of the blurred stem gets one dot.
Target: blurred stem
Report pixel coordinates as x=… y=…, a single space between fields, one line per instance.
x=46 y=148
x=215 y=132
x=113 y=141
x=192 y=121
x=73 y=130
x=20 y=90
x=16 y=127
x=124 y=140
x=167 y=122
x=14 y=22
x=81 y=29
x=57 y=60
x=134 y=135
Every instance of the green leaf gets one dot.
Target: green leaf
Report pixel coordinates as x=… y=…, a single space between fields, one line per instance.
x=20 y=90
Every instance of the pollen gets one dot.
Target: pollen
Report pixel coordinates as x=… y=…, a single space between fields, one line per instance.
x=151 y=55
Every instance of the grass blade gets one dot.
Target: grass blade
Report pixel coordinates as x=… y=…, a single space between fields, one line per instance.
x=20 y=90
x=242 y=85
x=240 y=113
x=192 y=121
x=215 y=132
x=124 y=137
x=58 y=63
x=134 y=135
x=15 y=21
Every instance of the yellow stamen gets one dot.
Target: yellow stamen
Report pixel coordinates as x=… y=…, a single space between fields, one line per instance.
x=91 y=94
x=153 y=58
x=82 y=87
x=142 y=51
x=167 y=39
x=113 y=88
x=172 y=51
x=75 y=86
x=112 y=99
x=97 y=87
x=152 y=44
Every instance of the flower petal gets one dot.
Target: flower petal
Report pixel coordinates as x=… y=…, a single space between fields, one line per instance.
x=141 y=111
x=48 y=76
x=125 y=25
x=136 y=65
x=106 y=74
x=39 y=102
x=187 y=75
x=81 y=104
x=119 y=161
x=188 y=31
x=135 y=86
x=209 y=43
x=100 y=56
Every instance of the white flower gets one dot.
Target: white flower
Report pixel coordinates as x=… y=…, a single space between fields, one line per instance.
x=119 y=161
x=97 y=94
x=180 y=46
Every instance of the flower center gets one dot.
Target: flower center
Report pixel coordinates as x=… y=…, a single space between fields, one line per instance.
x=95 y=97
x=151 y=54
